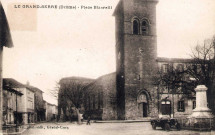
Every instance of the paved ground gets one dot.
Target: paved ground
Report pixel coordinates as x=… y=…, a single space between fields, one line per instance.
x=143 y=128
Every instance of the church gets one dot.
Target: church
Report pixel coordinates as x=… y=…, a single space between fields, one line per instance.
x=131 y=93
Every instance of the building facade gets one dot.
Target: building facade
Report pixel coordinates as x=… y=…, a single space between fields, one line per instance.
x=51 y=111
x=100 y=100
x=26 y=103
x=175 y=99
x=38 y=104
x=11 y=111
x=55 y=111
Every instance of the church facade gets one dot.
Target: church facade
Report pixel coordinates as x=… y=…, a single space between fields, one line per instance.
x=132 y=91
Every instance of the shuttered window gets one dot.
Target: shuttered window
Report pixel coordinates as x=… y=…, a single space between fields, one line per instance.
x=181 y=107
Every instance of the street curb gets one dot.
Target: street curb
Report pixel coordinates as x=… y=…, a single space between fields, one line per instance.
x=19 y=133
x=15 y=133
x=122 y=121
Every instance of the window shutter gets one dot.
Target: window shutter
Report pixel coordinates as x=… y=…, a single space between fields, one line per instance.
x=182 y=105
x=178 y=106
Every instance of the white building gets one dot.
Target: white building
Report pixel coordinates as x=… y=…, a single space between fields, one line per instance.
x=51 y=111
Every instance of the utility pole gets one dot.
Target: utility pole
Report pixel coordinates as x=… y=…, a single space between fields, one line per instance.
x=1 y=91
x=5 y=40
x=16 y=113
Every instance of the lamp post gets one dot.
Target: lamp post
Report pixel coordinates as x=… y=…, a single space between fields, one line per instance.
x=16 y=113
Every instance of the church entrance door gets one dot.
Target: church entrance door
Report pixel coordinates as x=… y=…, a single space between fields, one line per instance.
x=145 y=109
x=143 y=105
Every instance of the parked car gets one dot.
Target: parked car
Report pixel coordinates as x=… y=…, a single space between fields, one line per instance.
x=165 y=123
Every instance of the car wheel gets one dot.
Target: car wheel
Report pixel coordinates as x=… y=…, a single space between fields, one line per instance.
x=154 y=126
x=163 y=127
x=178 y=126
x=167 y=127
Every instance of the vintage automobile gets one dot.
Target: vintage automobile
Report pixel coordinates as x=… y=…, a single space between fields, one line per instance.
x=165 y=123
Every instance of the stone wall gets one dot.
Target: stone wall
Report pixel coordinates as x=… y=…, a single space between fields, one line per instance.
x=120 y=80
x=109 y=96
x=174 y=99
x=101 y=98
x=140 y=53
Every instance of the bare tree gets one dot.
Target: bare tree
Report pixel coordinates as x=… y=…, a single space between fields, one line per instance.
x=202 y=69
x=55 y=91
x=74 y=92
x=175 y=80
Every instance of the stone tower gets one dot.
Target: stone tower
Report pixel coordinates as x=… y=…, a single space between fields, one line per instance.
x=136 y=53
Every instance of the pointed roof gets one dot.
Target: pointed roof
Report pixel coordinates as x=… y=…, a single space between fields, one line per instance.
x=118 y=8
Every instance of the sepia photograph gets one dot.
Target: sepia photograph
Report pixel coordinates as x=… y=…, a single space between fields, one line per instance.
x=110 y=67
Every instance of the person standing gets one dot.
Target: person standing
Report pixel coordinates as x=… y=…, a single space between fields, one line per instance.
x=88 y=120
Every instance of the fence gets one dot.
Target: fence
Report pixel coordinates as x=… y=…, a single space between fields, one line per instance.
x=197 y=123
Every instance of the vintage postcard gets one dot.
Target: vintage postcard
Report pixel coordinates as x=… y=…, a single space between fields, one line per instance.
x=119 y=67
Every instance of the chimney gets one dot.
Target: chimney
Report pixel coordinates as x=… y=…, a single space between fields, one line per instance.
x=28 y=83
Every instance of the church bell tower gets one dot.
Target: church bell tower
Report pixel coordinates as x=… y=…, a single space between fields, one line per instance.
x=136 y=53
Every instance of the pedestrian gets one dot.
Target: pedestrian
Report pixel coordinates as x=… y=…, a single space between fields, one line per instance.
x=88 y=120
x=81 y=117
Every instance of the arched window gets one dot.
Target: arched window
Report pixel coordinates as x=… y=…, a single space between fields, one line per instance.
x=145 y=27
x=142 y=98
x=135 y=27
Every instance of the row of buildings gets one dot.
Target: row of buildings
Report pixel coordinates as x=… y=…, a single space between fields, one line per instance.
x=133 y=92
x=24 y=104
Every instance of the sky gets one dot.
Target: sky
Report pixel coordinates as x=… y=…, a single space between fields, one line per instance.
x=50 y=44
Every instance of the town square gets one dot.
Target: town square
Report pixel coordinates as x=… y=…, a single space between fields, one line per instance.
x=137 y=128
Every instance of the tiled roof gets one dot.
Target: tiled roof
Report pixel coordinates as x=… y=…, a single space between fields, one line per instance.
x=33 y=88
x=12 y=83
x=12 y=90
x=176 y=60
x=80 y=79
